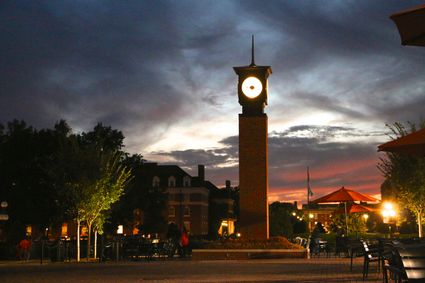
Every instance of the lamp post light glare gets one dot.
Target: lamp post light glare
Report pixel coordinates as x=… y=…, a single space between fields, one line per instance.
x=389 y=213
x=365 y=216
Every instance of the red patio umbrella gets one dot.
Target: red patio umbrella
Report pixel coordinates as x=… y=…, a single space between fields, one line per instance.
x=412 y=144
x=411 y=25
x=344 y=195
x=355 y=208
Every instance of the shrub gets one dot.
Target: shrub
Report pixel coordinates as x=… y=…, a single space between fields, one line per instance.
x=241 y=243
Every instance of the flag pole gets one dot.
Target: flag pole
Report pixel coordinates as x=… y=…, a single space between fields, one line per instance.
x=308 y=187
x=308 y=198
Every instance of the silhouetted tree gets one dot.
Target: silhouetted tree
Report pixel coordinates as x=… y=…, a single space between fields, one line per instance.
x=281 y=219
x=26 y=159
x=406 y=173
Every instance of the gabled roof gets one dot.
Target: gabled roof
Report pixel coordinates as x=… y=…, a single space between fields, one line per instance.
x=163 y=172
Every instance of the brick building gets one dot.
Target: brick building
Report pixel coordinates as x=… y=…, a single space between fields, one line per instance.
x=192 y=202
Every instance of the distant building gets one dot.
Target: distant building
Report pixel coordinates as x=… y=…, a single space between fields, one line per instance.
x=319 y=213
x=192 y=202
x=223 y=210
x=176 y=197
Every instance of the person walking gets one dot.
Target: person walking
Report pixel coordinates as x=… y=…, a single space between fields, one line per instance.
x=184 y=243
x=24 y=249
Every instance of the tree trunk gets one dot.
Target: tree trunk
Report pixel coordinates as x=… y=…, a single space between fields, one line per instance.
x=88 y=241
x=78 y=240
x=95 y=244
x=420 y=223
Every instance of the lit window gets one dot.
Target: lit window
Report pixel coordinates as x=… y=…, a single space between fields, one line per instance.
x=84 y=231
x=64 y=230
x=135 y=231
x=28 y=230
x=155 y=182
x=172 y=181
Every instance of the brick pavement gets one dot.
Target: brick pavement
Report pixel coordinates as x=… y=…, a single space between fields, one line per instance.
x=263 y=270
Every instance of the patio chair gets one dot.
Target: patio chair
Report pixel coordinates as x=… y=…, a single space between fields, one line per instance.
x=301 y=241
x=355 y=249
x=341 y=246
x=372 y=251
x=319 y=246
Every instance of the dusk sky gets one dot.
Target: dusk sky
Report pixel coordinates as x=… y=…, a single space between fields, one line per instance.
x=161 y=72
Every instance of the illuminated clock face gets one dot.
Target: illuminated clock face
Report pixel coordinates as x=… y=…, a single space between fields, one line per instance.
x=252 y=87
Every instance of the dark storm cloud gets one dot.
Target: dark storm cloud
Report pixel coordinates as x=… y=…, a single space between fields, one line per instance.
x=192 y=157
x=149 y=67
x=128 y=63
x=351 y=48
x=132 y=64
x=315 y=31
x=91 y=61
x=325 y=103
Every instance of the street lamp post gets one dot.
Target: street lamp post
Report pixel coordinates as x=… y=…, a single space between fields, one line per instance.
x=120 y=231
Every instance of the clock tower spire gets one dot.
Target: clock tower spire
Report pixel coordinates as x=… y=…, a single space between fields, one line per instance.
x=252 y=53
x=253 y=149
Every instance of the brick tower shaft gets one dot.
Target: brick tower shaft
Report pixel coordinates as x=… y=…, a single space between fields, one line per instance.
x=253 y=176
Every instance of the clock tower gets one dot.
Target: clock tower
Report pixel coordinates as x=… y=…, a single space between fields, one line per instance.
x=253 y=150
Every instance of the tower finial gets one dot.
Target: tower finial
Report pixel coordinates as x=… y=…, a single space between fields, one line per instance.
x=252 y=53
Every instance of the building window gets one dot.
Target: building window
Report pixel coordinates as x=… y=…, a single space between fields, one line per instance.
x=186 y=181
x=171 y=181
x=64 y=230
x=28 y=230
x=187 y=211
x=172 y=211
x=84 y=231
x=155 y=182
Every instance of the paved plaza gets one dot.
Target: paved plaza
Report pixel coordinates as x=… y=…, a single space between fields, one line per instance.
x=177 y=270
